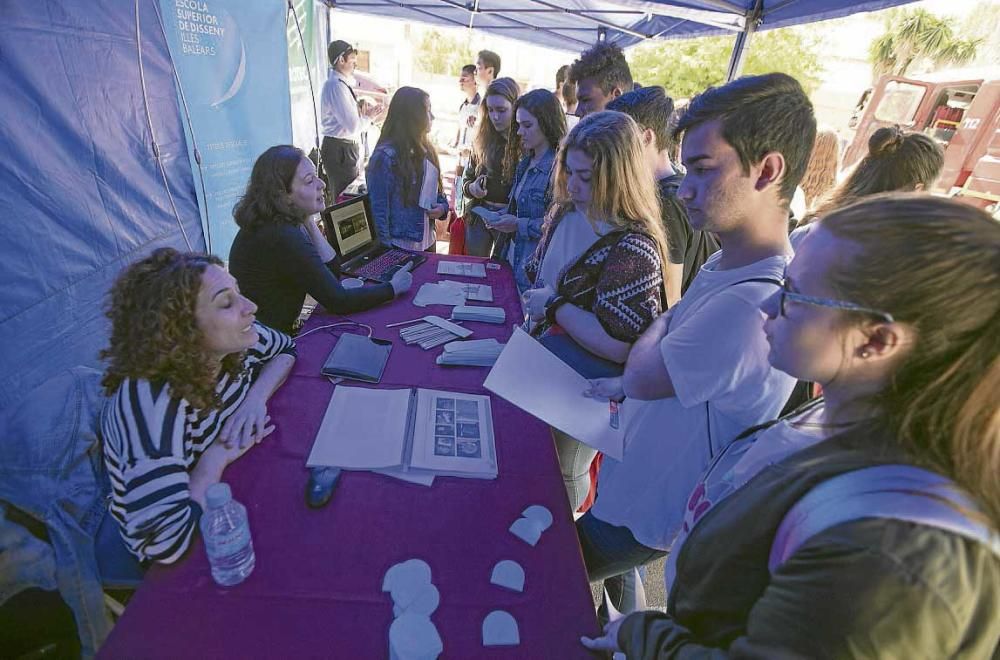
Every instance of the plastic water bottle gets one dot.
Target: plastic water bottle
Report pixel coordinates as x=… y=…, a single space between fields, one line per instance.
x=226 y=531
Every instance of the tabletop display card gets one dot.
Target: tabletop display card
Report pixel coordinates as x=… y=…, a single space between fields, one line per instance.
x=463 y=268
x=419 y=430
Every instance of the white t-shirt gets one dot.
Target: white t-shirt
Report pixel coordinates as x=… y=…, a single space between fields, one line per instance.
x=716 y=354
x=572 y=237
x=795 y=238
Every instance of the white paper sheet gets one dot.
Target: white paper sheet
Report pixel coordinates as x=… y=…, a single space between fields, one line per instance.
x=402 y=474
x=435 y=294
x=362 y=429
x=535 y=380
x=462 y=268
x=429 y=187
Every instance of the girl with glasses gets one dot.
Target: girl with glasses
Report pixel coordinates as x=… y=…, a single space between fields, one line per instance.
x=891 y=304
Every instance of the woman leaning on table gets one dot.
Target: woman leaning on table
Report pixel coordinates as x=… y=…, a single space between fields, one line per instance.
x=189 y=374
x=599 y=266
x=279 y=254
x=905 y=344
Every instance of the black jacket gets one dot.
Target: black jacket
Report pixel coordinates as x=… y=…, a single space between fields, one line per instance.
x=871 y=588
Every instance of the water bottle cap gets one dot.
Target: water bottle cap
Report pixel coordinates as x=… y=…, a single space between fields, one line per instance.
x=218 y=495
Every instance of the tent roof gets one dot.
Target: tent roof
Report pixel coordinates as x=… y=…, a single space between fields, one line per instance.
x=576 y=24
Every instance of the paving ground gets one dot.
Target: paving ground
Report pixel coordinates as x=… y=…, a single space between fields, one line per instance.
x=656 y=597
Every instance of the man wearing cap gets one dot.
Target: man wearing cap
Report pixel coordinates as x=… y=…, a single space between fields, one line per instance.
x=342 y=120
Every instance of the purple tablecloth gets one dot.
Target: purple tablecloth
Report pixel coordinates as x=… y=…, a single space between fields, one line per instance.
x=316 y=589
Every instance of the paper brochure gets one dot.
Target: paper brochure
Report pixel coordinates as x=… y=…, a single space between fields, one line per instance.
x=538 y=382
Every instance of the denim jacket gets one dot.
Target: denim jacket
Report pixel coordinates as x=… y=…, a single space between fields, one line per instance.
x=51 y=470
x=393 y=219
x=529 y=205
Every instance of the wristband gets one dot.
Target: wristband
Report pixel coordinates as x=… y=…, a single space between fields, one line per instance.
x=552 y=306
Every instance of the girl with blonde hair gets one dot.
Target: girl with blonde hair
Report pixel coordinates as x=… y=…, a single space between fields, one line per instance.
x=600 y=266
x=821 y=172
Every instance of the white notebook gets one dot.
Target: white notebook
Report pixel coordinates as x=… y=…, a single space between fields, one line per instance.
x=415 y=430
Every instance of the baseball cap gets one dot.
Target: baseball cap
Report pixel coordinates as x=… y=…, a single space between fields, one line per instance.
x=337 y=49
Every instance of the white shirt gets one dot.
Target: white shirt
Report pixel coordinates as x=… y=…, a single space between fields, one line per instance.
x=339 y=109
x=468 y=126
x=571 y=238
x=716 y=354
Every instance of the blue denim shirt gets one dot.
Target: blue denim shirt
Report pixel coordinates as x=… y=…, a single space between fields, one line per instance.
x=529 y=204
x=393 y=219
x=51 y=469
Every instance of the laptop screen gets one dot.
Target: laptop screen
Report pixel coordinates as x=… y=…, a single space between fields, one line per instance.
x=350 y=224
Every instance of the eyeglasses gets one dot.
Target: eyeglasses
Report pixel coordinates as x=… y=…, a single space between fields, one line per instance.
x=826 y=302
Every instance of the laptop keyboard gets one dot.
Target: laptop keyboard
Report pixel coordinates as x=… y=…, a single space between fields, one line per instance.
x=377 y=268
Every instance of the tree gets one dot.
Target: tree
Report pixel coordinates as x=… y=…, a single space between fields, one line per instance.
x=685 y=67
x=983 y=22
x=916 y=36
x=443 y=54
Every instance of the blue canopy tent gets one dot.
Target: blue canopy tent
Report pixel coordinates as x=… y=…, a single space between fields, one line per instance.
x=573 y=25
x=95 y=171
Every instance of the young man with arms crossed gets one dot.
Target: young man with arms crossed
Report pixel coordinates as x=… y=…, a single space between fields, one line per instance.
x=699 y=375
x=601 y=75
x=652 y=109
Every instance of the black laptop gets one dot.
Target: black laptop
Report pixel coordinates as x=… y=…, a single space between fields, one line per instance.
x=350 y=228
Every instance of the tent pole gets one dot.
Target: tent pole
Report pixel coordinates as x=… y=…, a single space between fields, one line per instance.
x=739 y=54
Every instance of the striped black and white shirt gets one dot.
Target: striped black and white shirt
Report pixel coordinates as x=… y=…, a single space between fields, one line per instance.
x=152 y=439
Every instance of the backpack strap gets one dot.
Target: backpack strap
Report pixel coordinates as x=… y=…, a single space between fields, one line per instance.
x=708 y=413
x=897 y=492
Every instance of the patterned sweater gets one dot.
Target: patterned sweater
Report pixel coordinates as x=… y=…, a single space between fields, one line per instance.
x=619 y=280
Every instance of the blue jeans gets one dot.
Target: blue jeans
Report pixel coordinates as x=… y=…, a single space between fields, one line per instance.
x=117 y=566
x=610 y=554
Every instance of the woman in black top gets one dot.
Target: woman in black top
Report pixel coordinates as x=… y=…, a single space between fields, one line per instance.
x=279 y=255
x=490 y=171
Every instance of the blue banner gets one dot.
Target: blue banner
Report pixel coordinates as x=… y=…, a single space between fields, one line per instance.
x=232 y=60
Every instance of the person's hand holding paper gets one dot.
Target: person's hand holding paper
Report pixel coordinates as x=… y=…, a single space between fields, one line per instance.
x=606 y=389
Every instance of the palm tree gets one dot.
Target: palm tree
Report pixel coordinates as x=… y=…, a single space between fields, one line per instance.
x=918 y=35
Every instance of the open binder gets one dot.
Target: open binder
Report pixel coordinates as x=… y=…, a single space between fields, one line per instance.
x=415 y=430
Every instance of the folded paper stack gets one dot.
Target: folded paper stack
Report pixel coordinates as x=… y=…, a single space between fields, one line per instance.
x=473 y=353
x=484 y=314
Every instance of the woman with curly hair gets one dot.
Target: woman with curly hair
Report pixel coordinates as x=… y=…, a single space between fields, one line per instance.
x=279 y=255
x=488 y=176
x=189 y=373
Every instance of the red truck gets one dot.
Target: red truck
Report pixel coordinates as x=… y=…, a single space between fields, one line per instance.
x=960 y=110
